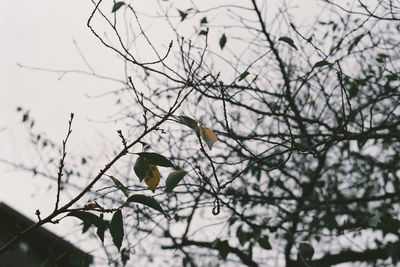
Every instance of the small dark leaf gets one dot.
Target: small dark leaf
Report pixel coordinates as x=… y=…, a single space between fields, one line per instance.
x=306 y=251
x=147 y=201
x=223 y=247
x=156 y=159
x=243 y=75
x=242 y=236
x=141 y=167
x=288 y=41
x=182 y=14
x=203 y=32
x=25 y=117
x=354 y=43
x=353 y=91
x=117 y=229
x=321 y=63
x=117 y=6
x=189 y=122
x=173 y=179
x=203 y=20
x=256 y=234
x=264 y=242
x=222 y=41
x=120 y=186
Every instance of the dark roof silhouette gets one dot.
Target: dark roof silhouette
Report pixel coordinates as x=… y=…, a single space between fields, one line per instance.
x=39 y=248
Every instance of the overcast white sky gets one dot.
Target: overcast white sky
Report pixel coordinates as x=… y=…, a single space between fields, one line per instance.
x=41 y=34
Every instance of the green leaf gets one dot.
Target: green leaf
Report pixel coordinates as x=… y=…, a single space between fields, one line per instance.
x=243 y=75
x=117 y=229
x=147 y=201
x=306 y=251
x=156 y=159
x=288 y=41
x=120 y=186
x=222 y=41
x=321 y=63
x=203 y=20
x=264 y=242
x=242 y=236
x=141 y=167
x=189 y=122
x=101 y=229
x=182 y=14
x=354 y=43
x=222 y=246
x=117 y=6
x=256 y=233
x=173 y=179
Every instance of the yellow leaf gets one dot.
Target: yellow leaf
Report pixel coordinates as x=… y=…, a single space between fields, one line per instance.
x=152 y=177
x=208 y=136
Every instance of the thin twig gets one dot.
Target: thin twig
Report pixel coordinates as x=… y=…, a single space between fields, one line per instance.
x=62 y=161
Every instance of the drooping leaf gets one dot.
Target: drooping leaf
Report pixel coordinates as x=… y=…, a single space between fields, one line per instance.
x=264 y=242
x=354 y=43
x=100 y=230
x=203 y=20
x=120 y=186
x=152 y=178
x=208 y=136
x=92 y=219
x=189 y=122
x=141 y=167
x=156 y=159
x=222 y=41
x=87 y=217
x=117 y=6
x=321 y=63
x=289 y=41
x=243 y=75
x=182 y=14
x=173 y=179
x=117 y=229
x=147 y=201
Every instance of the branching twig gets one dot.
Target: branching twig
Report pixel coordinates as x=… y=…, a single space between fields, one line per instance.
x=62 y=161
